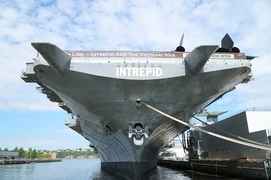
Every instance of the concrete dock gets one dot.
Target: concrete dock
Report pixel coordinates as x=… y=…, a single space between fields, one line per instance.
x=27 y=161
x=249 y=169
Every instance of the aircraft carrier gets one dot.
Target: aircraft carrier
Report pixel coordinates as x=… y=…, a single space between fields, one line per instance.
x=102 y=91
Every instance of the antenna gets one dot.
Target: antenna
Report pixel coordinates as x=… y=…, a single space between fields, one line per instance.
x=181 y=41
x=180 y=48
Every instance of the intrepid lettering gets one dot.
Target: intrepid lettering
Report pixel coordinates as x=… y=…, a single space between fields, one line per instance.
x=139 y=71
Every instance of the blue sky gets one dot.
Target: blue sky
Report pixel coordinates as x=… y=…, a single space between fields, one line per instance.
x=30 y=120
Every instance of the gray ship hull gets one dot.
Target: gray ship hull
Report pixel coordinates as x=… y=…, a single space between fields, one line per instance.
x=106 y=107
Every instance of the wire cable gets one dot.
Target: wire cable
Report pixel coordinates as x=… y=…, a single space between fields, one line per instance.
x=233 y=140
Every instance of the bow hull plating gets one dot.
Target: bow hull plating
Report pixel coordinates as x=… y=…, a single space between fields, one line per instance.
x=108 y=116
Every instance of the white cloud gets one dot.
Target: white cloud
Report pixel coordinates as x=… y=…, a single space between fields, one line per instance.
x=62 y=139
x=42 y=105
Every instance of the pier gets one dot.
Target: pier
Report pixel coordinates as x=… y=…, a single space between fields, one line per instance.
x=211 y=155
x=231 y=168
x=27 y=161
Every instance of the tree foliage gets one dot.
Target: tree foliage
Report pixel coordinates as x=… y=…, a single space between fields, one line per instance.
x=44 y=154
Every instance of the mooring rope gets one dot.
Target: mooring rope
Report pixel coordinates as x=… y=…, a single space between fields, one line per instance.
x=266 y=148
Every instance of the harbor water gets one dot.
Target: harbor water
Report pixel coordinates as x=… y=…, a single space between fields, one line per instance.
x=87 y=169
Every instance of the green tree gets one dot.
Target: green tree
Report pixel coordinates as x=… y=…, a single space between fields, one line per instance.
x=29 y=153
x=22 y=153
x=34 y=154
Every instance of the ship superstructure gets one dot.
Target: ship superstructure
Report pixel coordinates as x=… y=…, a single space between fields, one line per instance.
x=100 y=90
